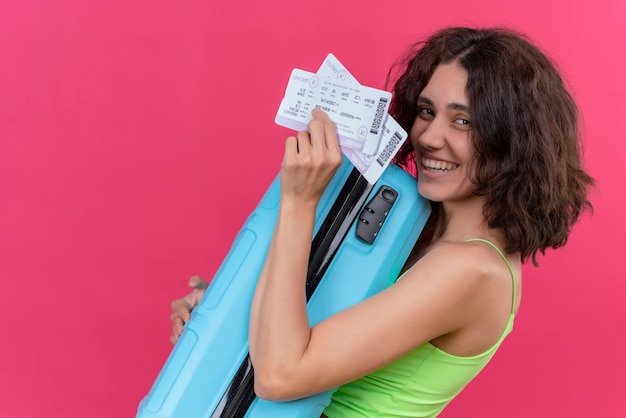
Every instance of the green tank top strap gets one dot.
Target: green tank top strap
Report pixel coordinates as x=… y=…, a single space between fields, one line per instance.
x=495 y=247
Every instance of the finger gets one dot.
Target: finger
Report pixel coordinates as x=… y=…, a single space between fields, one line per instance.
x=175 y=316
x=329 y=130
x=330 y=136
x=291 y=147
x=316 y=133
x=320 y=114
x=181 y=309
x=304 y=143
x=198 y=282
x=184 y=314
x=177 y=327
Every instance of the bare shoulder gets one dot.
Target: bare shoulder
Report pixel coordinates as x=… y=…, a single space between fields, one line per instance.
x=474 y=283
x=463 y=262
x=461 y=274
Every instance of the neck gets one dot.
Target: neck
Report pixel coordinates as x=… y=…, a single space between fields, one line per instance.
x=455 y=222
x=458 y=221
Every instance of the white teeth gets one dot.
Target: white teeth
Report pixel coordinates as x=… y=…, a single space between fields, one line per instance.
x=438 y=165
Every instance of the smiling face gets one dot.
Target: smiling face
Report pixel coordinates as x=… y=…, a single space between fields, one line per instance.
x=441 y=136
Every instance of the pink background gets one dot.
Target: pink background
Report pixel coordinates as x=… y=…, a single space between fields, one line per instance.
x=136 y=136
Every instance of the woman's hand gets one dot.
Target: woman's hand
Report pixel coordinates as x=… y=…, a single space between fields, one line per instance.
x=181 y=308
x=311 y=159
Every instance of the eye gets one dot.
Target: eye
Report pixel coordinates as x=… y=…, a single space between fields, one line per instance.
x=425 y=112
x=463 y=123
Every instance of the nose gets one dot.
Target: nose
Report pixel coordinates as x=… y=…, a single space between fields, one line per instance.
x=429 y=134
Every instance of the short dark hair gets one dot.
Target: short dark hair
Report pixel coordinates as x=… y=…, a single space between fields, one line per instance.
x=525 y=132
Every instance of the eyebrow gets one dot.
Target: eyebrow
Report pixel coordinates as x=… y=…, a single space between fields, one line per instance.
x=451 y=106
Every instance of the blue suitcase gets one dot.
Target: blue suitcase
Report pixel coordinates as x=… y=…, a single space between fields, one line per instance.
x=363 y=236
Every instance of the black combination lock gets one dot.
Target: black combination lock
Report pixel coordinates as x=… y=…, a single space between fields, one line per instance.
x=374 y=214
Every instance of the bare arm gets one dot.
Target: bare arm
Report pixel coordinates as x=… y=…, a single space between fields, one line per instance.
x=279 y=327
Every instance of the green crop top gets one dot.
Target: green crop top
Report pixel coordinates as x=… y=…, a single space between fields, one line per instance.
x=419 y=384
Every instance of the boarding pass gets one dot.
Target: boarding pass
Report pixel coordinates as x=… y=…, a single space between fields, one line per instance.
x=357 y=111
x=369 y=137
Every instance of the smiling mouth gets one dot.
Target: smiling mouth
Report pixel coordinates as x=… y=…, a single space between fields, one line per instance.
x=438 y=165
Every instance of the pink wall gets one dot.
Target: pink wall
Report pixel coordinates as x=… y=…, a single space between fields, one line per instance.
x=136 y=136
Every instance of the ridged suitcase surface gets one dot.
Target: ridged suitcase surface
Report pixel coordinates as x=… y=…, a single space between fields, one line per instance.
x=208 y=373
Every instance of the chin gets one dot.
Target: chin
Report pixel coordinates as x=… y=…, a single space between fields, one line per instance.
x=427 y=193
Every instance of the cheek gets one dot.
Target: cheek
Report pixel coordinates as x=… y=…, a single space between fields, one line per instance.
x=416 y=131
x=416 y=150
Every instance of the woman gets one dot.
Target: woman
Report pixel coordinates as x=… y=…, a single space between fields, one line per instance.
x=494 y=138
